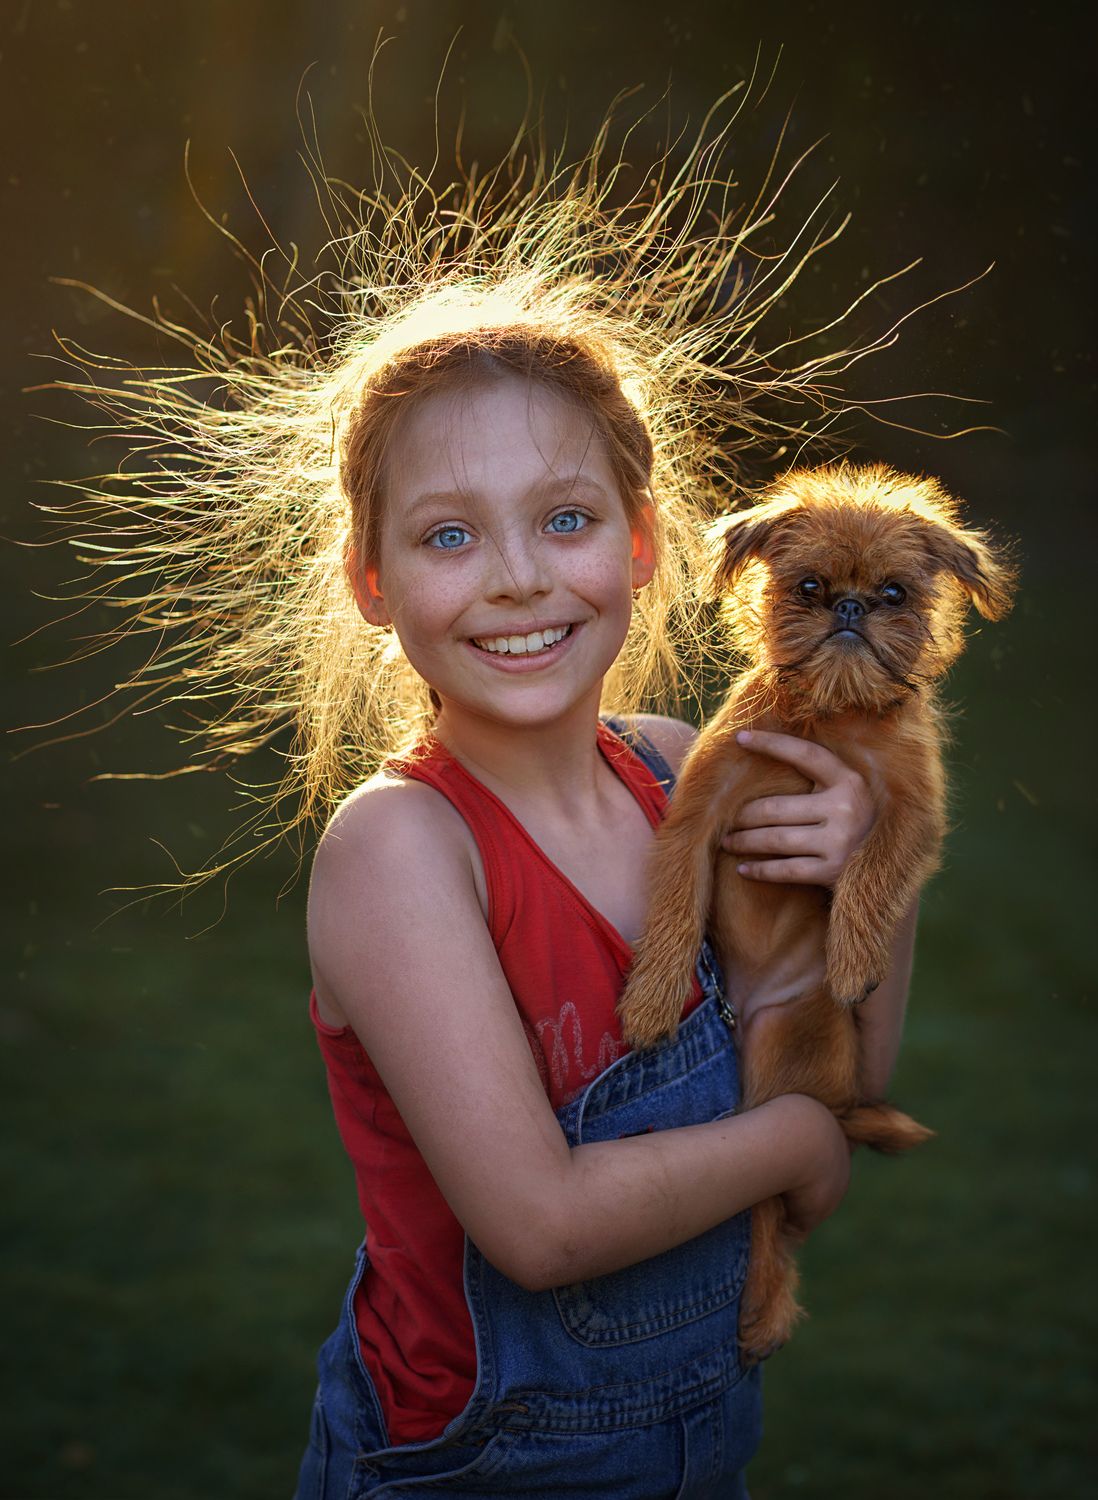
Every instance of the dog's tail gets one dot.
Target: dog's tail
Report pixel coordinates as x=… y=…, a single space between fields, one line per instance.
x=882 y=1127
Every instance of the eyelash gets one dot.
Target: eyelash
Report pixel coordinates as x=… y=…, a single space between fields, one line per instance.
x=431 y=539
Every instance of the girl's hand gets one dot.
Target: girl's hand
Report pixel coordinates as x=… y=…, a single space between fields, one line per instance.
x=814 y=833
x=827 y=1171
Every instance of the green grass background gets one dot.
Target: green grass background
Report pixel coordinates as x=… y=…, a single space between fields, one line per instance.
x=185 y=1220
x=179 y=1218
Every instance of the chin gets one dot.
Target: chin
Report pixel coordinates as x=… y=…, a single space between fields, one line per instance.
x=842 y=675
x=536 y=708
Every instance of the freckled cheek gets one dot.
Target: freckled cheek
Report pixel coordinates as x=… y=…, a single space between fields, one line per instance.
x=426 y=610
x=602 y=581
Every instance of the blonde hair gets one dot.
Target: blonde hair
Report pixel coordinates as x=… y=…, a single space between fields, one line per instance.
x=226 y=536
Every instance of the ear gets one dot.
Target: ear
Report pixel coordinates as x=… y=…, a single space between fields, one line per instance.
x=363 y=578
x=742 y=538
x=644 y=547
x=989 y=580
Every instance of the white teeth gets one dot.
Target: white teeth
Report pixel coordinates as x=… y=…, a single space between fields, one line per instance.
x=522 y=645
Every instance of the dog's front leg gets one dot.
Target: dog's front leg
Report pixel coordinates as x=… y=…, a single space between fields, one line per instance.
x=681 y=891
x=876 y=887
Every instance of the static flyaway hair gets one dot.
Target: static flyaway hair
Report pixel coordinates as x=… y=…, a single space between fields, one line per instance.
x=253 y=479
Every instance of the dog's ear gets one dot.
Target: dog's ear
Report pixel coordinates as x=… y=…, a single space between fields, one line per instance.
x=744 y=537
x=987 y=575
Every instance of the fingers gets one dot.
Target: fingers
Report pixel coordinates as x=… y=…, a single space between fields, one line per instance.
x=806 y=869
x=773 y=840
x=820 y=765
x=802 y=808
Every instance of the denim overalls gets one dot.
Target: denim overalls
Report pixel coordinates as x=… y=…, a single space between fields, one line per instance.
x=629 y=1386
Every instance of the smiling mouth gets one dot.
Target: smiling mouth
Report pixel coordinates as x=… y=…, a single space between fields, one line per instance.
x=534 y=644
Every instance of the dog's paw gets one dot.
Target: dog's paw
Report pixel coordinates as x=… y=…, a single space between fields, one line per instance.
x=853 y=995
x=772 y=1326
x=649 y=1011
x=848 y=999
x=754 y=1350
x=853 y=971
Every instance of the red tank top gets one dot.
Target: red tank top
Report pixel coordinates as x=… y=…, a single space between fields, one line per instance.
x=410 y=1310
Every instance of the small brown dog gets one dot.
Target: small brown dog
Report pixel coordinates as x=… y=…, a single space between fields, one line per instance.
x=847 y=587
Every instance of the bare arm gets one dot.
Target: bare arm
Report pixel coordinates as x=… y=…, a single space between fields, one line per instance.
x=398 y=938
x=882 y=1014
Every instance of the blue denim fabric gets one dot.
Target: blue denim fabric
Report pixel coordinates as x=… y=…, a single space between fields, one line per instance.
x=626 y=1387
x=629 y=1385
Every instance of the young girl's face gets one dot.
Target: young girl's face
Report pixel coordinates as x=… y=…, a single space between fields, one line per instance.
x=507 y=564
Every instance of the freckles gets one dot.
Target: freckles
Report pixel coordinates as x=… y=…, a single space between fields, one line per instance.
x=605 y=571
x=433 y=605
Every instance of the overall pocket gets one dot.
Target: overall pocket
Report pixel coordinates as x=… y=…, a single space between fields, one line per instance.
x=662 y=1294
x=694 y=1280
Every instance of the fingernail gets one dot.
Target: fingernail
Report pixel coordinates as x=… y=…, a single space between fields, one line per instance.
x=742 y=736
x=741 y=869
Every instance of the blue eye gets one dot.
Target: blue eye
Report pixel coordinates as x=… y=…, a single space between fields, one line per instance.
x=567 y=521
x=448 y=538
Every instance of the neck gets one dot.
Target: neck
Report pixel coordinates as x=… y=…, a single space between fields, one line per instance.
x=558 y=760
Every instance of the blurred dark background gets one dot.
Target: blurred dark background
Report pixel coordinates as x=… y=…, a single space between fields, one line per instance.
x=180 y=1218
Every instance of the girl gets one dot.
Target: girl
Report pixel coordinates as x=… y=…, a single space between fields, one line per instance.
x=470 y=914
x=455 y=529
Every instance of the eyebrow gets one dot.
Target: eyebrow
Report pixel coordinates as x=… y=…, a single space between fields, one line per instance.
x=564 y=485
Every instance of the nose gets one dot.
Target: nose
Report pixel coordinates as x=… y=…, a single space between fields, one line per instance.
x=849 y=610
x=518 y=570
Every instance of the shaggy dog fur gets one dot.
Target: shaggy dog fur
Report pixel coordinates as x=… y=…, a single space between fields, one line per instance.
x=847 y=588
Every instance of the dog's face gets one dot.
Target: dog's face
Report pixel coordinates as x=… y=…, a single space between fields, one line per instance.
x=851 y=585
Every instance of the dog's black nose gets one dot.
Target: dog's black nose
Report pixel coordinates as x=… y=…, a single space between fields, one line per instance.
x=849 y=611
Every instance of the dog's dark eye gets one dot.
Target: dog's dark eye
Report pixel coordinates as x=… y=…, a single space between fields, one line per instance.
x=893 y=593
x=810 y=588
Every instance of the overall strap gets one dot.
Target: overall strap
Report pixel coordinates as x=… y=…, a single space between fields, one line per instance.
x=642 y=747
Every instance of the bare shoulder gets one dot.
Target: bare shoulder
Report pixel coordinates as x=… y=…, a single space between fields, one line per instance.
x=387 y=837
x=671 y=737
x=387 y=818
